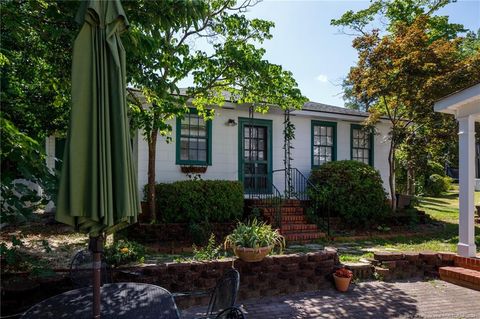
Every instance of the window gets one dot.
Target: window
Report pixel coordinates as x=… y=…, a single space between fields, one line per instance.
x=194 y=141
x=324 y=142
x=361 y=145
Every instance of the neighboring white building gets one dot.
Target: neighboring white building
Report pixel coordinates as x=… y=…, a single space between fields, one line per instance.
x=235 y=146
x=465 y=106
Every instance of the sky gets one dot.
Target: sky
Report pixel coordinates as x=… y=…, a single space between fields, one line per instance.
x=318 y=54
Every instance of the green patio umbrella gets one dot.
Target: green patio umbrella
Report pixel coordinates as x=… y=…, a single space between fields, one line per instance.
x=98 y=189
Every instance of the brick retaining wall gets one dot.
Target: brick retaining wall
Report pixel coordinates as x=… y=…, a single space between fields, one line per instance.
x=275 y=275
x=397 y=265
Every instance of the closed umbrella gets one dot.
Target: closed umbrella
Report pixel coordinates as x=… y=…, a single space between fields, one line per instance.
x=98 y=190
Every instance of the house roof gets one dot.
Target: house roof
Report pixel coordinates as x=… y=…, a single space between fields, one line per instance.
x=325 y=108
x=308 y=106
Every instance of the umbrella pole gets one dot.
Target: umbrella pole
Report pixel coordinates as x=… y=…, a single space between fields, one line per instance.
x=96 y=247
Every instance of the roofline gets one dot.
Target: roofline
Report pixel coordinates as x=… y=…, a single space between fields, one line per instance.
x=364 y=115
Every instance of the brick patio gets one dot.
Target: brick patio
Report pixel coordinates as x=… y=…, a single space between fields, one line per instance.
x=415 y=299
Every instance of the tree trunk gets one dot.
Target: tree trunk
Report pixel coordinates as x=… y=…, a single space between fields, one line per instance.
x=152 y=147
x=391 y=178
x=410 y=179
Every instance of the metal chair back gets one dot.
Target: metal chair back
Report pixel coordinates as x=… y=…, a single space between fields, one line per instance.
x=225 y=293
x=231 y=313
x=81 y=273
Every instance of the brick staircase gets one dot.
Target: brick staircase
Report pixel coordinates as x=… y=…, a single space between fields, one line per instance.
x=294 y=226
x=465 y=272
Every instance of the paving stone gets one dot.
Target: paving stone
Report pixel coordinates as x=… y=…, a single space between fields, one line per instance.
x=372 y=299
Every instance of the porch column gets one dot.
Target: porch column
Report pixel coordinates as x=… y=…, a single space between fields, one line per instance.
x=466 y=246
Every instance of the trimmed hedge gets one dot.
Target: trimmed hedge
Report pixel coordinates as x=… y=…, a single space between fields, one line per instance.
x=351 y=190
x=196 y=201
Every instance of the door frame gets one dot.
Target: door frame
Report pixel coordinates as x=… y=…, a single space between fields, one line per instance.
x=242 y=121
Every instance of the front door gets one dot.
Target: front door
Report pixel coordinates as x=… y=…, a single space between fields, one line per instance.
x=255 y=155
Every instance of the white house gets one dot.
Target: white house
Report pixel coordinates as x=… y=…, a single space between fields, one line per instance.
x=241 y=145
x=238 y=146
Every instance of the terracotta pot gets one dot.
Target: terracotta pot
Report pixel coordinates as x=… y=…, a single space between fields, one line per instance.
x=252 y=254
x=342 y=283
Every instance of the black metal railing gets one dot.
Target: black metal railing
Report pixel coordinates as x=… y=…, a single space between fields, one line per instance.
x=298 y=186
x=266 y=195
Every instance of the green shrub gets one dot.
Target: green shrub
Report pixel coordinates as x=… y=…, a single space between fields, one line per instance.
x=197 y=201
x=437 y=184
x=351 y=190
x=123 y=251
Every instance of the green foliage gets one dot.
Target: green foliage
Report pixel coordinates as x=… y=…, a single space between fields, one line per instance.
x=196 y=201
x=211 y=251
x=123 y=252
x=352 y=190
x=437 y=184
x=22 y=158
x=403 y=68
x=36 y=54
x=254 y=234
x=15 y=259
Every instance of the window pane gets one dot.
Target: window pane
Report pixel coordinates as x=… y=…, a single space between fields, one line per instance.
x=202 y=144
x=323 y=140
x=316 y=130
x=261 y=132
x=247 y=144
x=202 y=155
x=193 y=143
x=260 y=155
x=192 y=154
x=184 y=154
x=246 y=131
x=261 y=145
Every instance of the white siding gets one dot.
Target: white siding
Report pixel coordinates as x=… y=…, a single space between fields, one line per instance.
x=225 y=147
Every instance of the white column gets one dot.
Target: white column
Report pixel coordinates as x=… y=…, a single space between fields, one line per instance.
x=466 y=246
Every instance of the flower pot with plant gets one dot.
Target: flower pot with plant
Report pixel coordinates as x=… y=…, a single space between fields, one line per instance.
x=254 y=240
x=342 y=277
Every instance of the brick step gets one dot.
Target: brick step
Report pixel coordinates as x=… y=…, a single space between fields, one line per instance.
x=461 y=276
x=297 y=227
x=292 y=202
x=303 y=237
x=285 y=233
x=293 y=220
x=465 y=262
x=284 y=211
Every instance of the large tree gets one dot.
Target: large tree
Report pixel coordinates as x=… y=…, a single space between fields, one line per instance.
x=216 y=45
x=402 y=69
x=210 y=41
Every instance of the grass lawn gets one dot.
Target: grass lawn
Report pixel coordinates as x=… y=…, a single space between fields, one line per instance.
x=444 y=212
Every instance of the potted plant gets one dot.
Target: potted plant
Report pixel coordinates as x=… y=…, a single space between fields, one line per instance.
x=342 y=277
x=254 y=240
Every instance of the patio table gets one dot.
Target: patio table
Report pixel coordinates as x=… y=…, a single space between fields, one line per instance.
x=119 y=300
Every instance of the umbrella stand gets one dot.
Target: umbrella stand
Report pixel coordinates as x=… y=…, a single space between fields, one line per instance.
x=96 y=247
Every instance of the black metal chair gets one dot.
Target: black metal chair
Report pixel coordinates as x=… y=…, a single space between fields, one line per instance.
x=81 y=269
x=231 y=313
x=225 y=293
